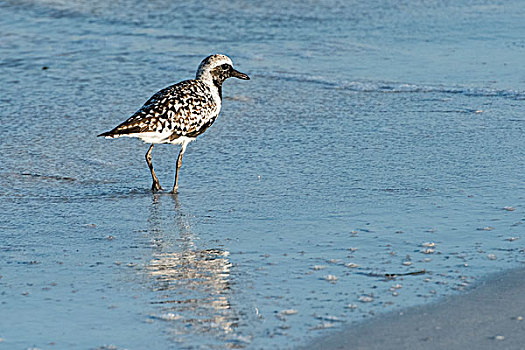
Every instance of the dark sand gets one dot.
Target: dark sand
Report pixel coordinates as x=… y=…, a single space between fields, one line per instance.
x=490 y=316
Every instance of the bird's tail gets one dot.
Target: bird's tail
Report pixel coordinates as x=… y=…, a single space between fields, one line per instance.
x=107 y=134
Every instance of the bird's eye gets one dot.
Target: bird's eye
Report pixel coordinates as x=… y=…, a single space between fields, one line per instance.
x=226 y=66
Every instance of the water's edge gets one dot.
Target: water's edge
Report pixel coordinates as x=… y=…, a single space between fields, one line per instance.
x=490 y=313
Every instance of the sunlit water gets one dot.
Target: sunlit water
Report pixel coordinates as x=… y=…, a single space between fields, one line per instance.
x=374 y=138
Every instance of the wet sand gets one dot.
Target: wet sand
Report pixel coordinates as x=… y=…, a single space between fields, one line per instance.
x=490 y=316
x=375 y=137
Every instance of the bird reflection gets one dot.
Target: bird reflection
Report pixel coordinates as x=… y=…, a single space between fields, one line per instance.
x=191 y=286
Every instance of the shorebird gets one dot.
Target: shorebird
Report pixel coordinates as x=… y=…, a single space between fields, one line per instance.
x=180 y=112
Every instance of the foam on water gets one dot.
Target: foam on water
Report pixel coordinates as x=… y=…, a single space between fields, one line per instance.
x=373 y=162
x=393 y=87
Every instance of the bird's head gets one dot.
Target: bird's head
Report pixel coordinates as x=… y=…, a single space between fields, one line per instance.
x=218 y=68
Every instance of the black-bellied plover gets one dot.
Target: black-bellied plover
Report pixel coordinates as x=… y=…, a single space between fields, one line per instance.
x=180 y=112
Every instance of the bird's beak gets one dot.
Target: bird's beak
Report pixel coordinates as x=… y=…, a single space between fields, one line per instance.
x=237 y=74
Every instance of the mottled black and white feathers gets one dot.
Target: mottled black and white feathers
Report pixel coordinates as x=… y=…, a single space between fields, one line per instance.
x=181 y=111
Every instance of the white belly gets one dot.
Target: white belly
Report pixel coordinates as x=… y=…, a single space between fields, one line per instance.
x=155 y=137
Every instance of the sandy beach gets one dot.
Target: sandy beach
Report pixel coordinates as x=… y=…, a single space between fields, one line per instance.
x=374 y=138
x=490 y=316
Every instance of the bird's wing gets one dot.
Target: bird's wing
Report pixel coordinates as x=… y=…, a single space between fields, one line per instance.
x=184 y=109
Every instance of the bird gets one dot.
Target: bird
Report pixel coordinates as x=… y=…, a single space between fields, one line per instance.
x=180 y=112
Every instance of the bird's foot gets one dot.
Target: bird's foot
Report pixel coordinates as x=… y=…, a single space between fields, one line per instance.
x=155 y=187
x=174 y=190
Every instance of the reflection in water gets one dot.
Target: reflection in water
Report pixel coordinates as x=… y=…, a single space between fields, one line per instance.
x=192 y=286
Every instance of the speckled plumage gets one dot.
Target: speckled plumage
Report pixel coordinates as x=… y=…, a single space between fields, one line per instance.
x=180 y=112
x=184 y=109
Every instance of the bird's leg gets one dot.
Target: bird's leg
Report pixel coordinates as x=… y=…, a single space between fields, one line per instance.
x=178 y=165
x=156 y=184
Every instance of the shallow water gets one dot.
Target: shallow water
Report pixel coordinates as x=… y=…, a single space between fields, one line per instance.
x=374 y=138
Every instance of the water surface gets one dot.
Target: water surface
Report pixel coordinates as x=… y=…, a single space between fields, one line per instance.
x=374 y=138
